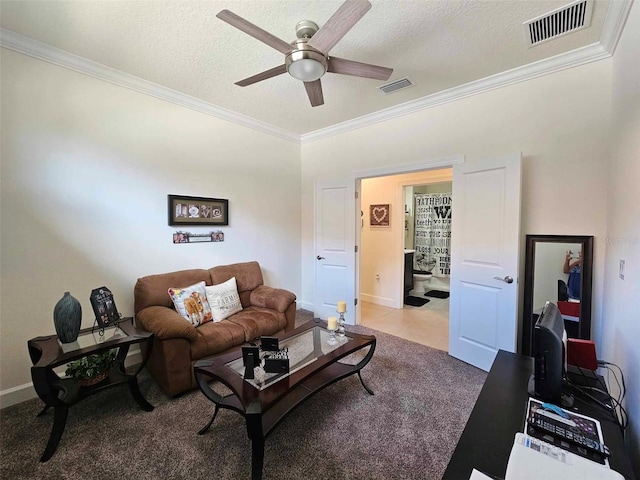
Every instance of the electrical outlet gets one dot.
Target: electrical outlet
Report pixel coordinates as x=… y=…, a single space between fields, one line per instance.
x=621 y=274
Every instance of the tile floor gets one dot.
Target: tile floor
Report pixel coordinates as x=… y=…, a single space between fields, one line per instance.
x=428 y=324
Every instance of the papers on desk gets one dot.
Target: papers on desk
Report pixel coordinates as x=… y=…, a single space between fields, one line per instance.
x=476 y=475
x=533 y=459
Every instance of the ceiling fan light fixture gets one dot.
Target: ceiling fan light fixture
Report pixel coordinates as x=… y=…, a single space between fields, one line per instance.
x=307 y=70
x=306 y=65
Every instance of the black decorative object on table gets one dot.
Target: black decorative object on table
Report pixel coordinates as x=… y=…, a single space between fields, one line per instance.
x=277 y=362
x=251 y=359
x=104 y=307
x=269 y=344
x=67 y=317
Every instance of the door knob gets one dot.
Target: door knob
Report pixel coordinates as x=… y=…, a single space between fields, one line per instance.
x=506 y=279
x=319 y=258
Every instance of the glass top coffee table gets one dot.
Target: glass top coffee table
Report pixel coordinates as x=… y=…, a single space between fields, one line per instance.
x=314 y=365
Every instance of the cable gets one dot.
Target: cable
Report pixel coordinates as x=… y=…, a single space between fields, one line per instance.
x=622 y=389
x=620 y=419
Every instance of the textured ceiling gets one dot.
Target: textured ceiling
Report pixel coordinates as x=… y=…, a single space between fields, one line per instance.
x=181 y=45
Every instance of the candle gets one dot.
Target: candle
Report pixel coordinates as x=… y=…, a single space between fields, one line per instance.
x=342 y=307
x=332 y=323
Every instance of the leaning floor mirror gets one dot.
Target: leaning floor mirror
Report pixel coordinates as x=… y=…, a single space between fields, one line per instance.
x=558 y=269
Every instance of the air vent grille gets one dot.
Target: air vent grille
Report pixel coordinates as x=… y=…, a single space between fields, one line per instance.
x=562 y=21
x=396 y=85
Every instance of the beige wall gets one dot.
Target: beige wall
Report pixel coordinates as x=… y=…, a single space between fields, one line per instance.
x=559 y=122
x=381 y=247
x=86 y=169
x=621 y=309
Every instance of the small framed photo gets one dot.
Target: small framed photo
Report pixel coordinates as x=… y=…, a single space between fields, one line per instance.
x=379 y=215
x=104 y=307
x=198 y=210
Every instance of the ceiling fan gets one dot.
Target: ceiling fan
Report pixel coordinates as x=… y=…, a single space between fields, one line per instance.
x=307 y=58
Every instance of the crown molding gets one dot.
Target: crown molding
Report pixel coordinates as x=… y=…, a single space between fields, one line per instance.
x=590 y=53
x=612 y=29
x=33 y=48
x=614 y=24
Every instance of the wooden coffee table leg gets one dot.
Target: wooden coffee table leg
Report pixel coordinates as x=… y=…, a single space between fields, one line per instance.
x=254 y=430
x=257 y=458
x=204 y=429
x=364 y=385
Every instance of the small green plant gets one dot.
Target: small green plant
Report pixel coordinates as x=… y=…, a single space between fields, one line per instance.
x=91 y=366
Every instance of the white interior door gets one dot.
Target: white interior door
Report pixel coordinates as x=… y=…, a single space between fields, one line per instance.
x=484 y=263
x=335 y=248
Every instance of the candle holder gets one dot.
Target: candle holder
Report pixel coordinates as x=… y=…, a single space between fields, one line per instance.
x=341 y=322
x=332 y=338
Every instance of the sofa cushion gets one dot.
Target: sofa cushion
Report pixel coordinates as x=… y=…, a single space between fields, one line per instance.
x=216 y=337
x=248 y=277
x=273 y=298
x=152 y=289
x=257 y=322
x=223 y=299
x=165 y=323
x=191 y=302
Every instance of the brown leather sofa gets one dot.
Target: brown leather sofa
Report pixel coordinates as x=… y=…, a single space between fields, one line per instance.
x=177 y=344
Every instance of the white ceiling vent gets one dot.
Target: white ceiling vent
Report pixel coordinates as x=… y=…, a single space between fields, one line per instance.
x=568 y=19
x=396 y=85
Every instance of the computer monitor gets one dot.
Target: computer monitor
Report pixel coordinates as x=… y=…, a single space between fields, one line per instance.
x=549 y=347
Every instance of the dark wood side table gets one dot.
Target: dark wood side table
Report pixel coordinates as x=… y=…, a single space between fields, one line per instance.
x=47 y=353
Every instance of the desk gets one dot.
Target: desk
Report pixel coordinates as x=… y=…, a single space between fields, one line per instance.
x=499 y=413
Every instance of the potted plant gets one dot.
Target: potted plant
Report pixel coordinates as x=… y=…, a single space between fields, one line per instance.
x=91 y=369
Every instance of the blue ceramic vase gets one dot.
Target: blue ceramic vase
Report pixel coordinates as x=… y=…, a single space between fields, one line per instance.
x=67 y=317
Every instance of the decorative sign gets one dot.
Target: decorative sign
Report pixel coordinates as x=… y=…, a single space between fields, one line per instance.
x=433 y=233
x=186 y=237
x=104 y=307
x=198 y=210
x=379 y=215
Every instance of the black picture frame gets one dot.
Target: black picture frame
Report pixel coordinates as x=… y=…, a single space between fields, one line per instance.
x=184 y=210
x=104 y=307
x=582 y=329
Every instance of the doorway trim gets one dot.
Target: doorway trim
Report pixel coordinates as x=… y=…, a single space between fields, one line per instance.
x=358 y=175
x=385 y=171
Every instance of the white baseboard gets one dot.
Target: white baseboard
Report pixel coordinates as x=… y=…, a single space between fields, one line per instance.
x=22 y=393
x=305 y=305
x=385 y=302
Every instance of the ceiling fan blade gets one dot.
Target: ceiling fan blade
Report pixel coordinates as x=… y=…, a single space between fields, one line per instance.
x=272 y=72
x=339 y=24
x=314 y=92
x=358 y=69
x=255 y=31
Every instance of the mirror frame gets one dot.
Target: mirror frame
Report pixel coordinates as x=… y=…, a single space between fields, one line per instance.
x=586 y=285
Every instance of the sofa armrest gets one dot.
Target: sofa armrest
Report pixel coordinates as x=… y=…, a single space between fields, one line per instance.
x=165 y=323
x=273 y=298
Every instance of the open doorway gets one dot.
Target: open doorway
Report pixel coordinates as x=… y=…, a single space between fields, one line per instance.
x=393 y=285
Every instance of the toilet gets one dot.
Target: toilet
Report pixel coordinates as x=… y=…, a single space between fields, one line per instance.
x=422 y=282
